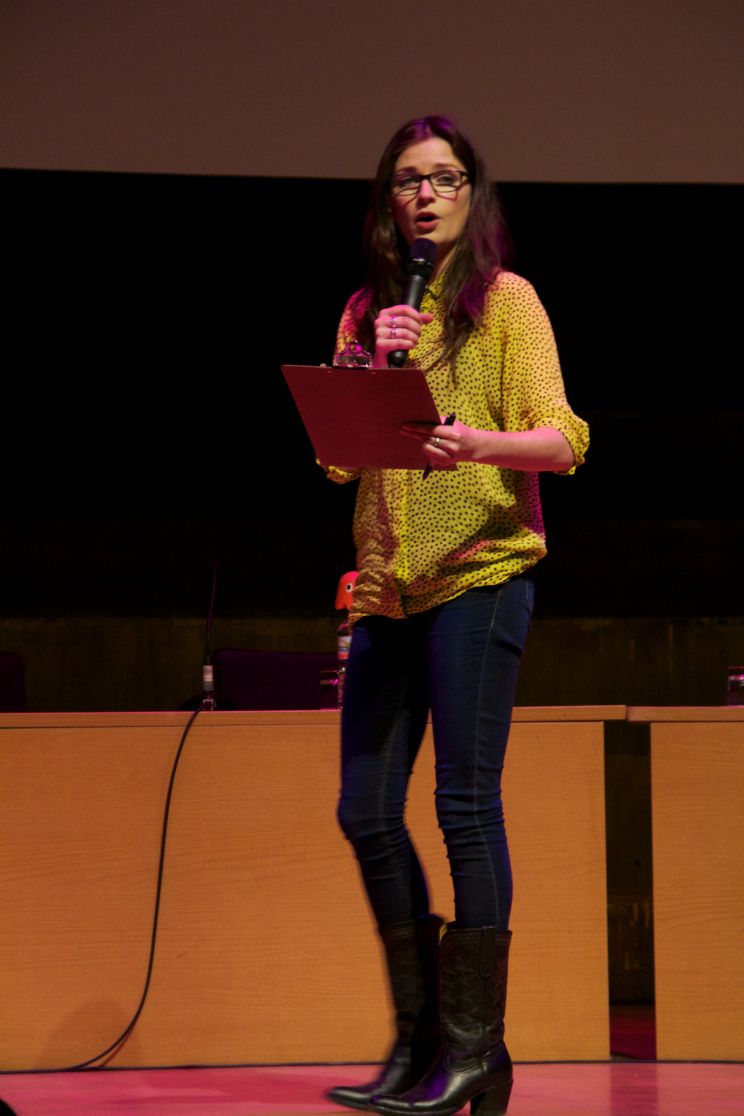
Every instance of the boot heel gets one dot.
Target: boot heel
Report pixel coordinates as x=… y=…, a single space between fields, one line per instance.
x=493 y=1103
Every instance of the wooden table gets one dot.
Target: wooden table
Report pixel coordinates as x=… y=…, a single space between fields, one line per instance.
x=265 y=949
x=697 y=788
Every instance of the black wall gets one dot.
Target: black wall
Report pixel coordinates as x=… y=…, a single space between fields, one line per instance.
x=148 y=433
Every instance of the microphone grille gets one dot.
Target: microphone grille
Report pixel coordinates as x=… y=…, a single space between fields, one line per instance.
x=424 y=250
x=422 y=257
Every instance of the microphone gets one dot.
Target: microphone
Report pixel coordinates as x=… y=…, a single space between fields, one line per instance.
x=418 y=269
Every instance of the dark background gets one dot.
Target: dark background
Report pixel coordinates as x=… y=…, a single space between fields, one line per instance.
x=149 y=436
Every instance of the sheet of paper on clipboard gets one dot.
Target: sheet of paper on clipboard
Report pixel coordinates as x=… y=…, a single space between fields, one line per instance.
x=353 y=415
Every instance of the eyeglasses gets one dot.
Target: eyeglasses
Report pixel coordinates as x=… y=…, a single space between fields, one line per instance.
x=445 y=183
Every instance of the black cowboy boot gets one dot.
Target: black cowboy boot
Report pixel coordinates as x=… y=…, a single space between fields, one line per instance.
x=411 y=952
x=473 y=1063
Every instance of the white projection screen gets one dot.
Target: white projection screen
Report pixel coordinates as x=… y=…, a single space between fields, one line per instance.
x=550 y=90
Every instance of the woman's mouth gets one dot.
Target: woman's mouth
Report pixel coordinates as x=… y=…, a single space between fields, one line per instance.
x=426 y=222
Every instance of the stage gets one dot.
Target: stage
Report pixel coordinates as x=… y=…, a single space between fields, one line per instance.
x=566 y=1089
x=225 y=1030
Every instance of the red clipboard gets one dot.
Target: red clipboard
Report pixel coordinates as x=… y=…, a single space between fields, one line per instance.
x=353 y=415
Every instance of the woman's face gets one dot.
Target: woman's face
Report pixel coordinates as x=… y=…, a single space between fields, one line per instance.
x=441 y=219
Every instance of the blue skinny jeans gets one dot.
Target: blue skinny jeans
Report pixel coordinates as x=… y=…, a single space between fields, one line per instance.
x=461 y=661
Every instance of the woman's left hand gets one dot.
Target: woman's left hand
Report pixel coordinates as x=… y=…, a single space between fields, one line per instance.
x=540 y=449
x=445 y=445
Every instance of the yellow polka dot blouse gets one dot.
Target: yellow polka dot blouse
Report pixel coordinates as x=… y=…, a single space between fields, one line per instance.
x=421 y=543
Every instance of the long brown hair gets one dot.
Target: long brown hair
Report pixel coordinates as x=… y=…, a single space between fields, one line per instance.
x=477 y=257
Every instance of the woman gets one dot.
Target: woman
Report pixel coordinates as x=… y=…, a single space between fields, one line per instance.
x=441 y=610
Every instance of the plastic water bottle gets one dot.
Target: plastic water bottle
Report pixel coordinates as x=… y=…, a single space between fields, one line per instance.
x=343 y=645
x=208 y=699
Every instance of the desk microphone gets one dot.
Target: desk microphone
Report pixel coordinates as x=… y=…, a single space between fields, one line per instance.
x=418 y=269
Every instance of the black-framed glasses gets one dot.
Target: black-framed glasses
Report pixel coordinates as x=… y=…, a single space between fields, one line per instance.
x=445 y=183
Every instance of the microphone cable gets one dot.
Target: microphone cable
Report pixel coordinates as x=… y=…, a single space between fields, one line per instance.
x=207 y=703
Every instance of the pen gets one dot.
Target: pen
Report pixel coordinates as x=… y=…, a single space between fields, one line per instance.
x=447 y=422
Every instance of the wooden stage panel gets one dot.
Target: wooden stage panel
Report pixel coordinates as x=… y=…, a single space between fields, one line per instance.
x=558 y=1005
x=265 y=949
x=697 y=784
x=81 y=815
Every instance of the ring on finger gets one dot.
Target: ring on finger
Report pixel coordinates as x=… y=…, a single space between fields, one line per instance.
x=436 y=440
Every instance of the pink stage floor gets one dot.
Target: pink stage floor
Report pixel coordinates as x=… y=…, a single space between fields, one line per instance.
x=595 y=1089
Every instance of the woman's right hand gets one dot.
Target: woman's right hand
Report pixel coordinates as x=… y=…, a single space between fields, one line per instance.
x=397 y=327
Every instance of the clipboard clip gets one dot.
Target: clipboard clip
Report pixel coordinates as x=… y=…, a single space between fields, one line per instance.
x=353 y=356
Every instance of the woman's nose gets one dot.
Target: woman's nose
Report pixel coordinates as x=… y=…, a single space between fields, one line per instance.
x=425 y=190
